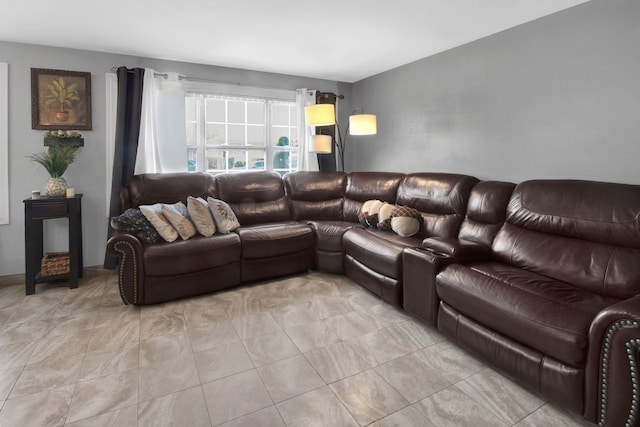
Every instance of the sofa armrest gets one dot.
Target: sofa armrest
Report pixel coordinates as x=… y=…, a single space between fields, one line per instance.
x=129 y=250
x=457 y=248
x=612 y=377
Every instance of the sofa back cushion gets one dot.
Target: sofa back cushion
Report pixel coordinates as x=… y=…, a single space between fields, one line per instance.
x=363 y=186
x=486 y=211
x=440 y=197
x=580 y=232
x=316 y=195
x=149 y=189
x=255 y=197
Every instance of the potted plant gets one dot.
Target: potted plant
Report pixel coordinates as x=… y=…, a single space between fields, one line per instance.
x=56 y=161
x=63 y=95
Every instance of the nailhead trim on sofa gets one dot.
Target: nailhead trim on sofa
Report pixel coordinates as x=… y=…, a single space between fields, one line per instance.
x=632 y=347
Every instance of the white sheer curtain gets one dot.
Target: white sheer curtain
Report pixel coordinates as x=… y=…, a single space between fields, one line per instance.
x=306 y=161
x=162 y=146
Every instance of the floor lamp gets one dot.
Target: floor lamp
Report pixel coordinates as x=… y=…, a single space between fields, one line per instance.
x=325 y=115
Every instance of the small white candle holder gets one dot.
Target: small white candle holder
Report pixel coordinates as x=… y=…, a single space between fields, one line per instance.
x=71 y=192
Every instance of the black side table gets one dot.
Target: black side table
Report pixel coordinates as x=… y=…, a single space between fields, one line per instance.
x=35 y=212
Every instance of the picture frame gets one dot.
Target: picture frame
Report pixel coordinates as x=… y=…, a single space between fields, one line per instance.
x=60 y=100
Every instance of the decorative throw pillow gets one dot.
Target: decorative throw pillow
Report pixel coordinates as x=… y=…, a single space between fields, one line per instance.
x=384 y=217
x=372 y=216
x=405 y=221
x=226 y=221
x=154 y=214
x=201 y=216
x=134 y=222
x=178 y=216
x=368 y=215
x=364 y=211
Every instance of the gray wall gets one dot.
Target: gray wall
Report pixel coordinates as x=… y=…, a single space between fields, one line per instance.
x=88 y=173
x=558 y=97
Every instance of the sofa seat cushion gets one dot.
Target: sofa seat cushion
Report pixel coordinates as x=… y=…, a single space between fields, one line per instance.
x=329 y=234
x=187 y=256
x=381 y=251
x=275 y=239
x=550 y=316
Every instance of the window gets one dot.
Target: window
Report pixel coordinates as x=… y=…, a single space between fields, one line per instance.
x=235 y=134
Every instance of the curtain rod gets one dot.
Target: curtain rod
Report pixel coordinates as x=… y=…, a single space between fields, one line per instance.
x=195 y=79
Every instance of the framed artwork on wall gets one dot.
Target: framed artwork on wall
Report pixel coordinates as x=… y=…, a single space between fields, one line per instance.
x=60 y=100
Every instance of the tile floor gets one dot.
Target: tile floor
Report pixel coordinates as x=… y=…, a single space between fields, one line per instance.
x=309 y=350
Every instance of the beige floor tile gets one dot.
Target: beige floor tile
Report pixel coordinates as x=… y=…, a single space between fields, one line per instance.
x=352 y=324
x=451 y=361
x=5 y=313
x=327 y=306
x=47 y=408
x=361 y=298
x=289 y=377
x=106 y=362
x=8 y=377
x=318 y=408
x=170 y=320
x=73 y=323
x=124 y=417
x=162 y=348
x=14 y=355
x=412 y=378
x=388 y=314
x=295 y=314
x=60 y=346
x=270 y=348
x=500 y=395
x=336 y=361
x=85 y=301
x=33 y=310
x=254 y=325
x=368 y=396
x=197 y=316
x=104 y=394
x=222 y=361
x=453 y=408
x=232 y=397
x=167 y=377
x=23 y=332
x=312 y=335
x=117 y=315
x=240 y=303
x=407 y=417
x=212 y=335
x=379 y=347
x=551 y=416
x=267 y=417
x=184 y=408
x=51 y=373
x=117 y=335
x=115 y=379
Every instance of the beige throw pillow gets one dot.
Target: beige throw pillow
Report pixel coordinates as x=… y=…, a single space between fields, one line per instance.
x=226 y=221
x=201 y=216
x=162 y=225
x=179 y=217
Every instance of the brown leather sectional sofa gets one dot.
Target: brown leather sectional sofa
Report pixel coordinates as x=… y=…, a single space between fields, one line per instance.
x=541 y=279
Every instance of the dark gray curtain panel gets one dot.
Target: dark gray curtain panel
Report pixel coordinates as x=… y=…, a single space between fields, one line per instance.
x=126 y=145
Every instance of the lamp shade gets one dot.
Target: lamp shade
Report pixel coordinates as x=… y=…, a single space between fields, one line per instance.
x=320 y=144
x=320 y=115
x=363 y=124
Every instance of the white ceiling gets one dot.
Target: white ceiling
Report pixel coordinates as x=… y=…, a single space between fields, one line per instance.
x=344 y=40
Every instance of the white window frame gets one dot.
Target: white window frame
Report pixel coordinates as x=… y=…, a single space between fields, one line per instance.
x=245 y=93
x=4 y=143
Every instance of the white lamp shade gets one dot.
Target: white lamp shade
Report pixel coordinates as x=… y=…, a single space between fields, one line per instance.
x=320 y=144
x=320 y=115
x=363 y=124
